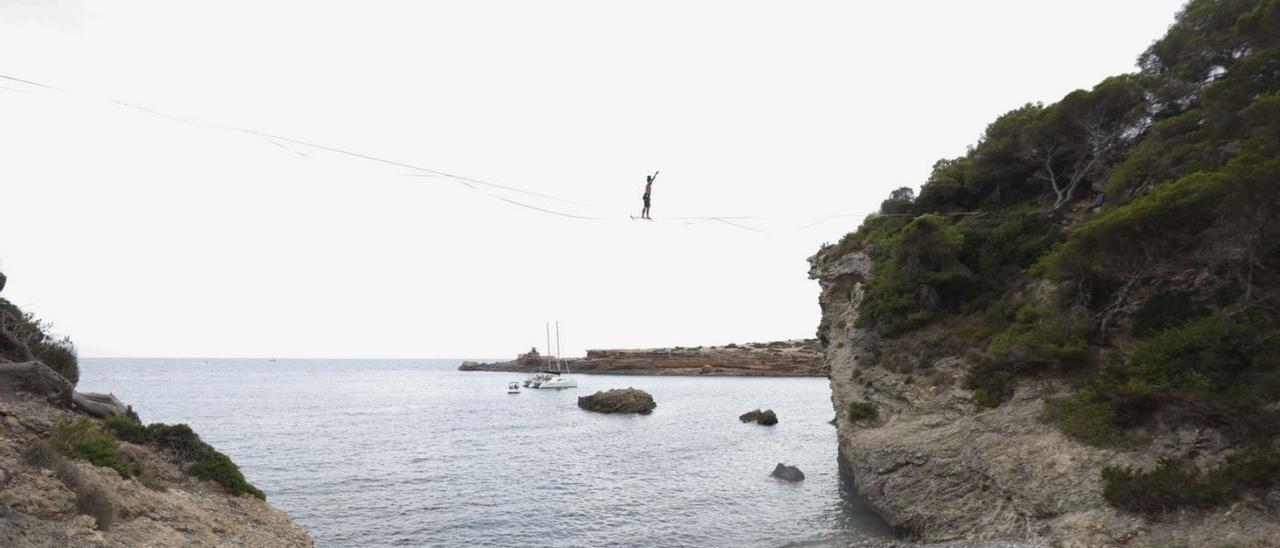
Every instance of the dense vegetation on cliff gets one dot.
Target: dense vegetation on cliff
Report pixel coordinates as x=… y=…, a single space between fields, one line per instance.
x=1126 y=237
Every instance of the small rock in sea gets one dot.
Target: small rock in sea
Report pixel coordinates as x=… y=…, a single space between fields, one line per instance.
x=766 y=417
x=788 y=473
x=619 y=400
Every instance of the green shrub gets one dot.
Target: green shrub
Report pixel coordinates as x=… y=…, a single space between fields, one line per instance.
x=94 y=500
x=1169 y=220
x=181 y=442
x=43 y=454
x=861 y=411
x=1043 y=336
x=1169 y=485
x=126 y=429
x=1092 y=420
x=25 y=337
x=1175 y=483
x=916 y=276
x=1003 y=245
x=178 y=440
x=218 y=468
x=61 y=357
x=91 y=498
x=1164 y=311
x=83 y=439
x=991 y=383
x=1208 y=354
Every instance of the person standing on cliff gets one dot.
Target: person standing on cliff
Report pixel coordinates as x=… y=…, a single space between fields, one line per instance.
x=648 y=189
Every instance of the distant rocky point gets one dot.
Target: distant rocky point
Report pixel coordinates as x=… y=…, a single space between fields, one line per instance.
x=795 y=358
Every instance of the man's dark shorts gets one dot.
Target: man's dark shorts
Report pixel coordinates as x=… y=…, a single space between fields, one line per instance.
x=646 y=200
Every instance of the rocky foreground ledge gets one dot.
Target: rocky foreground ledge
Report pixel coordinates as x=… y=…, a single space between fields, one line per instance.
x=79 y=504
x=795 y=358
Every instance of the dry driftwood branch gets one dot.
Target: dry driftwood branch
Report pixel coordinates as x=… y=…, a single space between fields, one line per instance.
x=39 y=378
x=100 y=405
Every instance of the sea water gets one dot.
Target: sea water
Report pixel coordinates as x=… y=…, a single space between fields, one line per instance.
x=416 y=453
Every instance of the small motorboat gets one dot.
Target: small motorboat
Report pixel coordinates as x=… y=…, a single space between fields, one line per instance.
x=513 y=388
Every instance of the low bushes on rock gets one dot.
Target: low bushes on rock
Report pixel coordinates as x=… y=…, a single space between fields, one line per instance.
x=181 y=442
x=91 y=498
x=1089 y=418
x=861 y=411
x=83 y=439
x=94 y=500
x=219 y=469
x=178 y=440
x=1175 y=483
x=991 y=383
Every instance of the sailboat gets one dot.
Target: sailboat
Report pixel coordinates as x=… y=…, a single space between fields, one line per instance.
x=560 y=377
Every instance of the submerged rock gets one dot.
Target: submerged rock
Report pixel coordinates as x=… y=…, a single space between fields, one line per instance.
x=788 y=473
x=619 y=400
x=766 y=417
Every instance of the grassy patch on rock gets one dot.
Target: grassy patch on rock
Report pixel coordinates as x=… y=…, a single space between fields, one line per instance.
x=861 y=411
x=1175 y=483
x=181 y=442
x=84 y=439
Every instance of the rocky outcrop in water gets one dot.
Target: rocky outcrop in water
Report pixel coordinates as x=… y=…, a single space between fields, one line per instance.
x=787 y=473
x=781 y=358
x=766 y=417
x=619 y=400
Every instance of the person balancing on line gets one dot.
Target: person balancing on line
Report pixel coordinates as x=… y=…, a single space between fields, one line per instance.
x=648 y=189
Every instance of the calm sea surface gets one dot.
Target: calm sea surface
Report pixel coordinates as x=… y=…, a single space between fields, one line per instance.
x=416 y=453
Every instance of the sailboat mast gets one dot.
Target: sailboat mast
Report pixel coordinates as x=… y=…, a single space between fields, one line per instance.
x=559 y=352
x=548 y=324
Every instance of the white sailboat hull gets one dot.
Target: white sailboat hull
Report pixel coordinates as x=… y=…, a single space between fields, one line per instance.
x=560 y=382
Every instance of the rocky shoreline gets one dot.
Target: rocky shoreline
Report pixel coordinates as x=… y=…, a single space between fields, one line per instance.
x=796 y=358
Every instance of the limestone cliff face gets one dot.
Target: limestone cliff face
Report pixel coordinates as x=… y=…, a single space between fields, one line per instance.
x=41 y=507
x=782 y=358
x=939 y=469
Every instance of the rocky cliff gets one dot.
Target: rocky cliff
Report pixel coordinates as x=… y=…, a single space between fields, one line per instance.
x=939 y=469
x=782 y=358
x=49 y=500
x=80 y=469
x=1070 y=335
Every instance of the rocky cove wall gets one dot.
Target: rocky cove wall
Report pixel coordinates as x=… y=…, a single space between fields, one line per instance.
x=938 y=469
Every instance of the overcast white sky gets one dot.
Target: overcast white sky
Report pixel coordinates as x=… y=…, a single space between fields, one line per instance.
x=143 y=236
